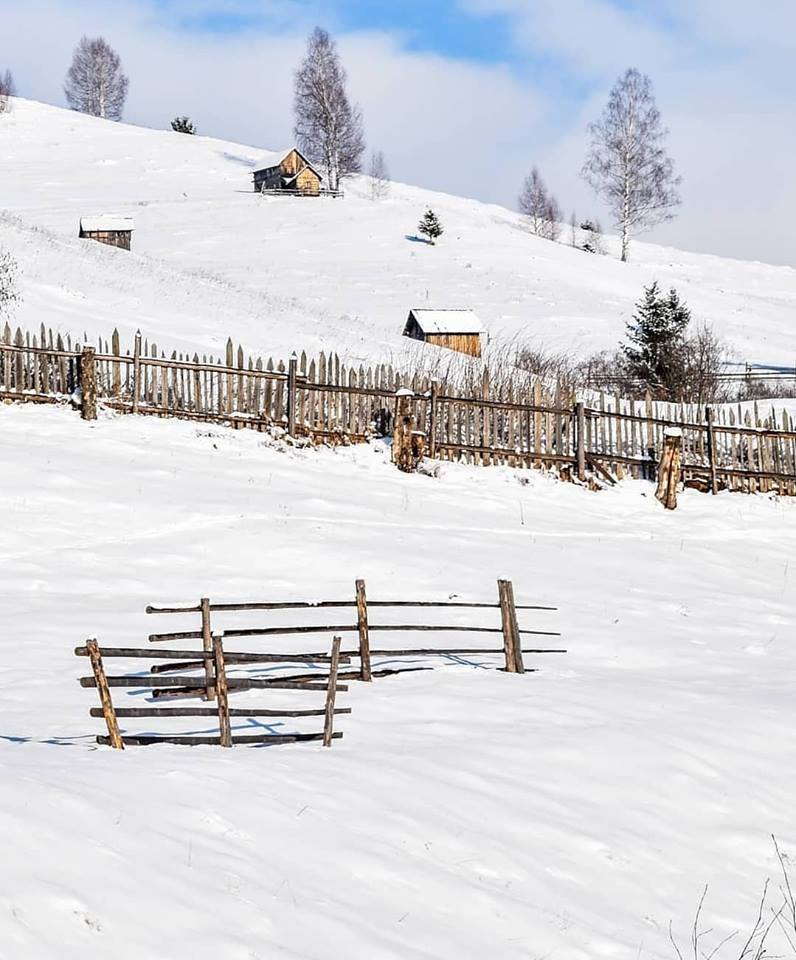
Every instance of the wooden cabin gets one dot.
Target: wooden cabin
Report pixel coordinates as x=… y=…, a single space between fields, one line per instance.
x=115 y=231
x=289 y=172
x=459 y=330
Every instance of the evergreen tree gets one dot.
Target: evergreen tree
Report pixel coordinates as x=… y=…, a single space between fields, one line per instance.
x=430 y=226
x=183 y=125
x=656 y=337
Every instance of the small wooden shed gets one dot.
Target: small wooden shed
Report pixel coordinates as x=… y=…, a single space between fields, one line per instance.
x=115 y=231
x=459 y=330
x=288 y=172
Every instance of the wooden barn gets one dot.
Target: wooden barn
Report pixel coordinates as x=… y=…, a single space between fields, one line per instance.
x=289 y=172
x=115 y=231
x=459 y=330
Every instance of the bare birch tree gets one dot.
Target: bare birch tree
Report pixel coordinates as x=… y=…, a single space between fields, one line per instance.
x=7 y=90
x=627 y=163
x=328 y=128
x=540 y=207
x=379 y=176
x=95 y=83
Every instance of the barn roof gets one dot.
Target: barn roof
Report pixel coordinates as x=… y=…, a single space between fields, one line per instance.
x=447 y=321
x=274 y=158
x=105 y=222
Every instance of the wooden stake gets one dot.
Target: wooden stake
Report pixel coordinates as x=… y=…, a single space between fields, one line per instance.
x=224 y=727
x=330 y=694
x=714 y=482
x=581 y=440
x=669 y=469
x=432 y=420
x=104 y=694
x=511 y=640
x=207 y=644
x=136 y=370
x=364 y=634
x=88 y=383
x=291 y=395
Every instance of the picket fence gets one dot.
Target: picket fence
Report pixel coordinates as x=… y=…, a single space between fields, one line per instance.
x=527 y=423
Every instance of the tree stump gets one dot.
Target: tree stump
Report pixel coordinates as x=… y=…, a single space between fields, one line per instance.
x=408 y=443
x=88 y=384
x=669 y=468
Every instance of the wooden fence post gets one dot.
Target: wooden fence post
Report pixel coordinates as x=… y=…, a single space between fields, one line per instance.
x=511 y=634
x=364 y=636
x=580 y=433
x=207 y=644
x=88 y=383
x=432 y=419
x=714 y=481
x=224 y=726
x=331 y=691
x=669 y=469
x=408 y=443
x=291 y=394
x=136 y=370
x=104 y=693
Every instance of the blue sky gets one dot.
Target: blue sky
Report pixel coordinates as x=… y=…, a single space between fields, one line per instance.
x=466 y=95
x=441 y=26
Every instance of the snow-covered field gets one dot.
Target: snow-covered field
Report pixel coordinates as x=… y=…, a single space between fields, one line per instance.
x=467 y=814
x=212 y=259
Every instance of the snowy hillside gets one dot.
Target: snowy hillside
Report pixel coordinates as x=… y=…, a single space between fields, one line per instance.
x=212 y=259
x=467 y=813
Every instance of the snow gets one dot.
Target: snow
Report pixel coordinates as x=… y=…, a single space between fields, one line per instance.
x=269 y=160
x=105 y=222
x=571 y=812
x=214 y=259
x=466 y=813
x=447 y=321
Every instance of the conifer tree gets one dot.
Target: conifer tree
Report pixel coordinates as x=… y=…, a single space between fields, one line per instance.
x=430 y=227
x=183 y=125
x=656 y=336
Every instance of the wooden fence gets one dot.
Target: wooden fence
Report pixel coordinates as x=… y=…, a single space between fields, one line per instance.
x=213 y=684
x=205 y=673
x=363 y=626
x=530 y=424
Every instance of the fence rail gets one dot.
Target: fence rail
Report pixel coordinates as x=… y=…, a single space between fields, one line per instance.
x=734 y=447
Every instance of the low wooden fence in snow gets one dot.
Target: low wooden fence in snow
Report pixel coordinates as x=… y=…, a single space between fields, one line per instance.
x=733 y=447
x=213 y=684
x=214 y=672
x=362 y=625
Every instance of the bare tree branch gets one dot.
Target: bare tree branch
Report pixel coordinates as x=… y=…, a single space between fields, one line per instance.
x=95 y=83
x=627 y=164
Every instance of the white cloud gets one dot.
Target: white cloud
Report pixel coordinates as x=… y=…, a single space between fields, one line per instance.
x=720 y=68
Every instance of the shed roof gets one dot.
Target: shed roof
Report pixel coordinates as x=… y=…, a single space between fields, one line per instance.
x=105 y=222
x=447 y=321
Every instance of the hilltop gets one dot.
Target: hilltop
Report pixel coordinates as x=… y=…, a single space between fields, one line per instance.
x=212 y=259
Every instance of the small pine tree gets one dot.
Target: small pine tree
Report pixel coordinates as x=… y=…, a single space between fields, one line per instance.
x=656 y=337
x=430 y=226
x=183 y=125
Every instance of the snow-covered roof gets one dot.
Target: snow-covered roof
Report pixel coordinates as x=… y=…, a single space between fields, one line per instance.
x=270 y=159
x=105 y=222
x=274 y=158
x=447 y=321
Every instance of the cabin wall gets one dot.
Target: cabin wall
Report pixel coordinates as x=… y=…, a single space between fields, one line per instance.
x=469 y=343
x=270 y=179
x=113 y=238
x=291 y=164
x=308 y=182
